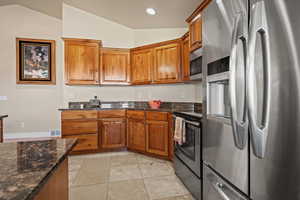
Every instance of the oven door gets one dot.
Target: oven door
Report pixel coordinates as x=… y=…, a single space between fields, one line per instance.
x=190 y=151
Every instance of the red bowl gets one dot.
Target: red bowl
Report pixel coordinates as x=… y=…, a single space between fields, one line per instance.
x=154 y=105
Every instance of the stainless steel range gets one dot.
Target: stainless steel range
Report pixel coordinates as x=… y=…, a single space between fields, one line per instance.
x=188 y=159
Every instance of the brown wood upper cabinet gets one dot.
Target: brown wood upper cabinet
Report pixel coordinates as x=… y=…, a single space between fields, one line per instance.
x=167 y=60
x=115 y=66
x=186 y=57
x=195 y=27
x=82 y=61
x=141 y=66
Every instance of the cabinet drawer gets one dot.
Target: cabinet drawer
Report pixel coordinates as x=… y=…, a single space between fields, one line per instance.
x=157 y=116
x=79 y=127
x=135 y=114
x=85 y=142
x=112 y=114
x=79 y=114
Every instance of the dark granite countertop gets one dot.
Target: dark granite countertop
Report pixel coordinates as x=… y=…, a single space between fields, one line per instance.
x=120 y=108
x=26 y=166
x=135 y=105
x=3 y=116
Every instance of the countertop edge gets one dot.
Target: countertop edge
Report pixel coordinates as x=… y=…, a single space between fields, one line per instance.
x=143 y=109
x=3 y=116
x=42 y=183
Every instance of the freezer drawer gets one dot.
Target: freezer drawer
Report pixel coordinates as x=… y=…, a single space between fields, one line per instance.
x=221 y=154
x=215 y=188
x=188 y=178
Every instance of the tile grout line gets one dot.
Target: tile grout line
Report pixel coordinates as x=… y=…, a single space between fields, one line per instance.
x=146 y=190
x=108 y=179
x=139 y=164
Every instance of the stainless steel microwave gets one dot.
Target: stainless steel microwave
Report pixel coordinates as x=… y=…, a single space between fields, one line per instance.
x=196 y=64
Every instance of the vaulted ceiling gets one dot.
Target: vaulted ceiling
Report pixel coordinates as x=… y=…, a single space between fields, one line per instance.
x=131 y=13
x=49 y=7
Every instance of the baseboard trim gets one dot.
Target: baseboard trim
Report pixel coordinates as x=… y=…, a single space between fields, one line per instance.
x=24 y=135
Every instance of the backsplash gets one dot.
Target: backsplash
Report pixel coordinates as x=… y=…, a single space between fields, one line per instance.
x=178 y=106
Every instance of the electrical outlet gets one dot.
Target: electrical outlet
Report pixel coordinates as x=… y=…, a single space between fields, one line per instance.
x=22 y=124
x=54 y=133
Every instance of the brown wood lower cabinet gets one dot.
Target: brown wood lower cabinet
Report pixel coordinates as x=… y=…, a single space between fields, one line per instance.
x=113 y=132
x=157 y=137
x=147 y=132
x=136 y=134
x=85 y=142
x=57 y=187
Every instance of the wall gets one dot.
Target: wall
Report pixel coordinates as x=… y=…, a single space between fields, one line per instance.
x=30 y=108
x=80 y=24
x=52 y=8
x=34 y=108
x=116 y=35
x=148 y=36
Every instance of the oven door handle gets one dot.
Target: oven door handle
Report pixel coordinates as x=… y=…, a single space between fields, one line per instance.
x=191 y=122
x=240 y=126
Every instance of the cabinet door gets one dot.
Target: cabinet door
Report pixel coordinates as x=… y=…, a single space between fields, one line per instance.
x=85 y=142
x=186 y=58
x=157 y=137
x=141 y=66
x=81 y=62
x=167 y=63
x=195 y=33
x=115 y=66
x=113 y=133
x=136 y=135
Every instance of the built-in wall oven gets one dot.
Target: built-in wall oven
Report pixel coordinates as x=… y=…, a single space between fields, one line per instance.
x=188 y=159
x=196 y=65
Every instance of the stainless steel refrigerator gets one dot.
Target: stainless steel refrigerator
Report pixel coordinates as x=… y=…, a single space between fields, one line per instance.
x=251 y=102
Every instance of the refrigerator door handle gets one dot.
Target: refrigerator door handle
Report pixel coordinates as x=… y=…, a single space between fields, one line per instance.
x=240 y=126
x=259 y=132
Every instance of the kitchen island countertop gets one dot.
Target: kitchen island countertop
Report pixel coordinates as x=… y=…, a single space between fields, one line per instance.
x=3 y=116
x=26 y=166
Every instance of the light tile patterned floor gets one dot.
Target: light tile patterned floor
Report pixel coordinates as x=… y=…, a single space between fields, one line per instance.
x=123 y=176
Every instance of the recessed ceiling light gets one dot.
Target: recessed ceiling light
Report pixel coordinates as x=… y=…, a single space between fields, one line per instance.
x=151 y=11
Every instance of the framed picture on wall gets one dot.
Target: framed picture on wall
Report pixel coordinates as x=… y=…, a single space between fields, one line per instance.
x=35 y=61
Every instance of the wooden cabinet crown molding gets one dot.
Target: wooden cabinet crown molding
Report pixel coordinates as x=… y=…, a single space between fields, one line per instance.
x=82 y=40
x=154 y=45
x=198 y=10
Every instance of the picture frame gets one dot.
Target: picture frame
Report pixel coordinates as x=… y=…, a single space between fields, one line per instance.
x=35 y=61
